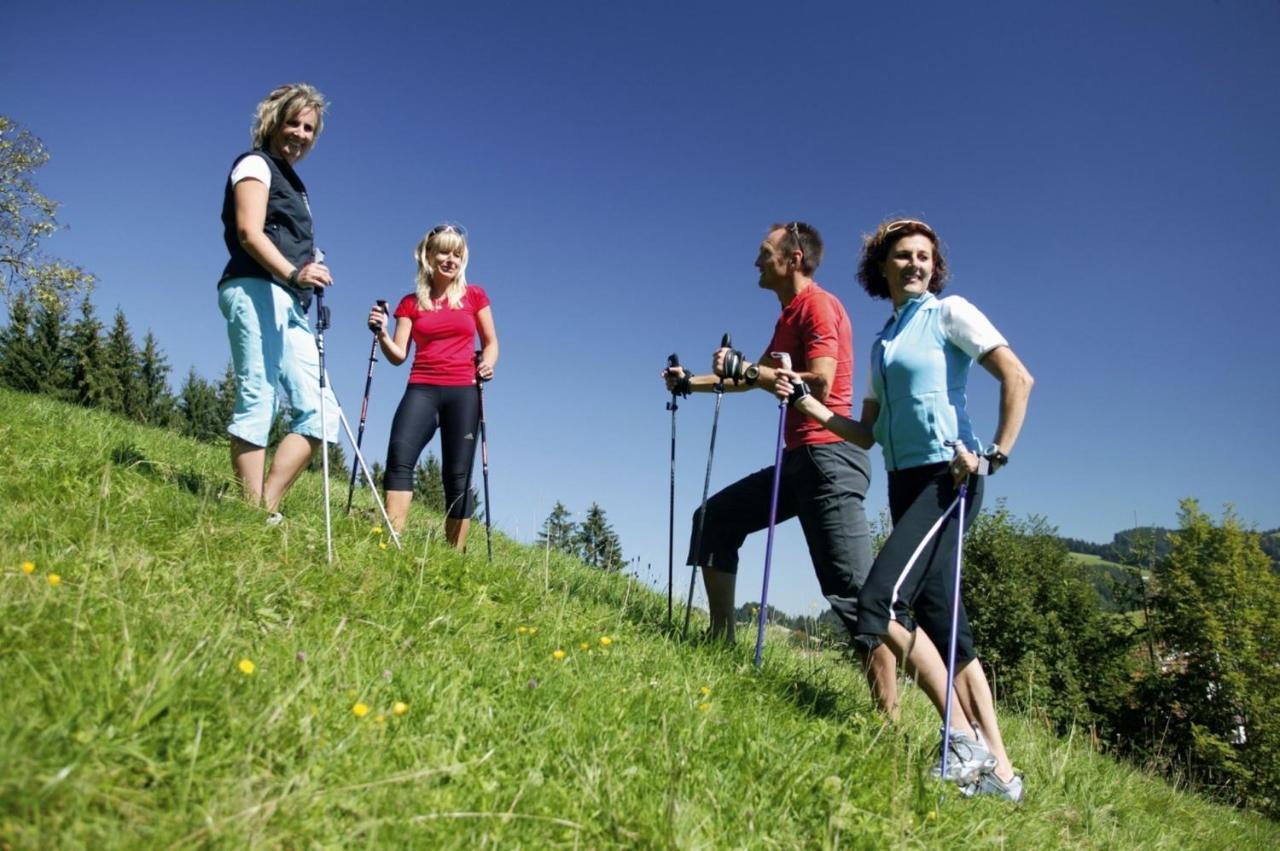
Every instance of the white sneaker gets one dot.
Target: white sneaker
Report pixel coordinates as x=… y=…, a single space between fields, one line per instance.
x=989 y=784
x=967 y=760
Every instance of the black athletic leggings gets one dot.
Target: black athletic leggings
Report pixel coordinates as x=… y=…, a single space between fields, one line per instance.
x=456 y=410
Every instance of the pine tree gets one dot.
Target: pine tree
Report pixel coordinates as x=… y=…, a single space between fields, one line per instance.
x=558 y=530
x=155 y=400
x=198 y=407
x=123 y=393
x=428 y=488
x=51 y=360
x=596 y=542
x=89 y=380
x=17 y=349
x=227 y=396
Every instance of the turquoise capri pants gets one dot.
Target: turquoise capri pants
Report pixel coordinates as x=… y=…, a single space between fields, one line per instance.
x=272 y=349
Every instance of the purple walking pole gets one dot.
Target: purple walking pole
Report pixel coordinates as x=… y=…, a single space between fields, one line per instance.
x=784 y=359
x=955 y=622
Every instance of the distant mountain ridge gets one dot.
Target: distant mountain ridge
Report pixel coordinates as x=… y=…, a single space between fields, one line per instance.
x=1132 y=546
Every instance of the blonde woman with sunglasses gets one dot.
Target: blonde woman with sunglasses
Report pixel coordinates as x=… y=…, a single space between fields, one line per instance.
x=441 y=320
x=915 y=410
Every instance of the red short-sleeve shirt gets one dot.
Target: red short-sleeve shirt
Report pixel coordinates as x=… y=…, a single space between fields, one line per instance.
x=815 y=325
x=444 y=340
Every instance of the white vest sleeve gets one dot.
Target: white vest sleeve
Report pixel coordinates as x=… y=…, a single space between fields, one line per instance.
x=968 y=329
x=251 y=167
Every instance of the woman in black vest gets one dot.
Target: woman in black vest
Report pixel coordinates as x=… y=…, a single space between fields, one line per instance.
x=264 y=294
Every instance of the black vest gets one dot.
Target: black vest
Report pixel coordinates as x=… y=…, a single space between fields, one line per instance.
x=288 y=224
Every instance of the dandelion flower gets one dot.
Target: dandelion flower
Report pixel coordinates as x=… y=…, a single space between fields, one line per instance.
x=377 y=530
x=55 y=579
x=705 y=690
x=247 y=667
x=399 y=708
x=558 y=655
x=382 y=545
x=932 y=816
x=533 y=630
x=583 y=646
x=28 y=567
x=606 y=640
x=381 y=719
x=703 y=707
x=521 y=630
x=360 y=710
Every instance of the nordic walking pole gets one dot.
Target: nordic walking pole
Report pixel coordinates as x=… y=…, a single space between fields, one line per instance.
x=955 y=624
x=484 y=466
x=364 y=406
x=784 y=360
x=673 y=360
x=322 y=323
x=368 y=477
x=725 y=343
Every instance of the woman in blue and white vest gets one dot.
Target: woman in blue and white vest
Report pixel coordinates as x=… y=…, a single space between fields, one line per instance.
x=265 y=291
x=915 y=409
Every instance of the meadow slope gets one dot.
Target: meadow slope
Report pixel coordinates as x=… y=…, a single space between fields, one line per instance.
x=195 y=678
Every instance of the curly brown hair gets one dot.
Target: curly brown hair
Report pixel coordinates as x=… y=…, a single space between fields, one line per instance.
x=876 y=248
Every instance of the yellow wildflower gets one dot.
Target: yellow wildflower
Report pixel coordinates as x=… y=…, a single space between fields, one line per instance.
x=932 y=816
x=381 y=719
x=54 y=579
x=382 y=545
x=28 y=567
x=521 y=630
x=703 y=707
x=247 y=667
x=399 y=708
x=606 y=640
x=558 y=655
x=360 y=710
x=377 y=530
x=583 y=645
x=705 y=690
x=533 y=630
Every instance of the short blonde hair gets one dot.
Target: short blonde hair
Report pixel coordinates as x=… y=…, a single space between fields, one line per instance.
x=441 y=238
x=283 y=103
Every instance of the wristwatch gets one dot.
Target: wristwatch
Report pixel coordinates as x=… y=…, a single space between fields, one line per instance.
x=995 y=459
x=751 y=373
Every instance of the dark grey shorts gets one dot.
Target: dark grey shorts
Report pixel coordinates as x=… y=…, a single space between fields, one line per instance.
x=822 y=485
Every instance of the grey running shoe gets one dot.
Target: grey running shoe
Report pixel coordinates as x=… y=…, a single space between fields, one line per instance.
x=989 y=784
x=275 y=518
x=967 y=760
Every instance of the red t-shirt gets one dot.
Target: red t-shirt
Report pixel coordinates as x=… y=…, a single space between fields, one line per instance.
x=815 y=325
x=444 y=340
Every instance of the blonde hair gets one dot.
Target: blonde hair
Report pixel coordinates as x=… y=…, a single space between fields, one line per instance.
x=282 y=104
x=441 y=238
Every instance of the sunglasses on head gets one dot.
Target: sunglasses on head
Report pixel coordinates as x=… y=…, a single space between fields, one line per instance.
x=902 y=223
x=458 y=229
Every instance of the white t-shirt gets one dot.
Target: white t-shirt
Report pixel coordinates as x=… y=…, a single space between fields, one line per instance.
x=252 y=167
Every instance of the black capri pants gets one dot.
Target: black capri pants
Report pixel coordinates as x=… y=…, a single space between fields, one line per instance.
x=915 y=571
x=456 y=412
x=822 y=485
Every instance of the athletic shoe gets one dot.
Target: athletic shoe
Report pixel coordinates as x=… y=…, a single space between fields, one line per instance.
x=967 y=760
x=275 y=518
x=989 y=784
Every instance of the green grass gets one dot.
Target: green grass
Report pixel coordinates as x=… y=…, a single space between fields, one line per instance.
x=128 y=723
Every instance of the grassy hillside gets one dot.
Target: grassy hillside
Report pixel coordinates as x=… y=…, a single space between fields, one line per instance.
x=195 y=678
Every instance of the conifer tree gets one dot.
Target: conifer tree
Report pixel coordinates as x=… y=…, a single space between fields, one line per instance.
x=155 y=400
x=89 y=379
x=124 y=393
x=227 y=396
x=50 y=357
x=558 y=530
x=17 y=349
x=198 y=406
x=596 y=542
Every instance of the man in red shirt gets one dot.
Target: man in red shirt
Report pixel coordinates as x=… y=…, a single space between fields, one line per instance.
x=824 y=478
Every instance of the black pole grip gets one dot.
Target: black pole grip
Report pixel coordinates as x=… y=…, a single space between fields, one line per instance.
x=673 y=360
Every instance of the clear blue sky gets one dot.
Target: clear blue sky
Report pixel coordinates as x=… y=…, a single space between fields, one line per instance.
x=1104 y=176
